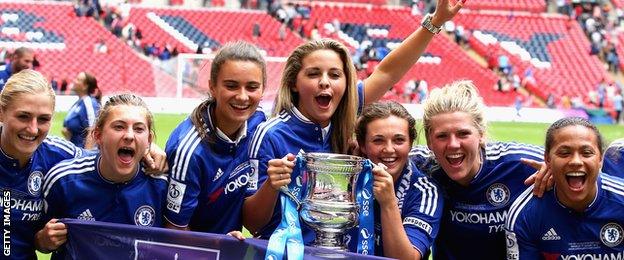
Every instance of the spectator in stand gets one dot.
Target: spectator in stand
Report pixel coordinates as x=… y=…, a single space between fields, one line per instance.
x=618 y=103
x=409 y=91
x=22 y=58
x=81 y=116
x=54 y=84
x=63 y=88
x=100 y=46
x=255 y=31
x=423 y=90
x=550 y=101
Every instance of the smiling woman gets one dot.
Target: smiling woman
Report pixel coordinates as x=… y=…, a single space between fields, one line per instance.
x=480 y=180
x=109 y=185
x=585 y=209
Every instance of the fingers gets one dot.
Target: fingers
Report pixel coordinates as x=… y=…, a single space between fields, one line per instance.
x=54 y=234
x=236 y=234
x=530 y=180
x=280 y=170
x=533 y=163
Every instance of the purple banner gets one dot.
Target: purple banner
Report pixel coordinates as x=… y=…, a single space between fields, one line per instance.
x=95 y=240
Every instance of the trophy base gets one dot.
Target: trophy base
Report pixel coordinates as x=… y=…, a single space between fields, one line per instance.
x=329 y=240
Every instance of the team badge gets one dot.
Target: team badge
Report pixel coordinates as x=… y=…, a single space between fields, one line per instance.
x=498 y=194
x=144 y=216
x=611 y=234
x=34 y=182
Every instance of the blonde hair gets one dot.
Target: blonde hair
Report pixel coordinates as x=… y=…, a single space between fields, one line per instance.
x=459 y=96
x=343 y=119
x=25 y=82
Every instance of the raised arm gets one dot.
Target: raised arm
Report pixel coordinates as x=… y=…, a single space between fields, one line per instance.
x=394 y=66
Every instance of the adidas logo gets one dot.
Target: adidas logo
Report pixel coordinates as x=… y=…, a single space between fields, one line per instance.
x=86 y=215
x=219 y=173
x=551 y=235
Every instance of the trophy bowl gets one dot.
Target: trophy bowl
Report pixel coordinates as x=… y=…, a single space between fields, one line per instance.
x=330 y=206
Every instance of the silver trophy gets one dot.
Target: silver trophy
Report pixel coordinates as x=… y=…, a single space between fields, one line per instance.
x=330 y=206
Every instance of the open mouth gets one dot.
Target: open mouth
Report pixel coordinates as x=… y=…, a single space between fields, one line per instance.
x=576 y=180
x=323 y=100
x=240 y=107
x=27 y=138
x=455 y=159
x=125 y=154
x=388 y=160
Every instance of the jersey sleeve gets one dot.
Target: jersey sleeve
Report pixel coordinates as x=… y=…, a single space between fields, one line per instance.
x=518 y=228
x=261 y=151
x=53 y=206
x=60 y=149
x=613 y=161
x=422 y=213
x=185 y=178
x=88 y=118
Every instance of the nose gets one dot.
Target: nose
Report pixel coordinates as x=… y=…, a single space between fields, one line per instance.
x=129 y=135
x=576 y=159
x=453 y=142
x=388 y=147
x=324 y=81
x=243 y=95
x=33 y=126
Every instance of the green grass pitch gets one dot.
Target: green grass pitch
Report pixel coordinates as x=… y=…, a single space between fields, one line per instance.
x=532 y=133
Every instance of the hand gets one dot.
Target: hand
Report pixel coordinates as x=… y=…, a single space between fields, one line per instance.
x=236 y=234
x=279 y=171
x=383 y=186
x=542 y=178
x=445 y=11
x=155 y=160
x=51 y=236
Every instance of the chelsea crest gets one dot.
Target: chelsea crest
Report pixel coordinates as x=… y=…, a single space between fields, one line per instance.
x=498 y=194
x=35 y=180
x=144 y=216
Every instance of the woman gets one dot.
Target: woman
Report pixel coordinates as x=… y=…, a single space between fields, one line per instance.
x=81 y=115
x=613 y=163
x=479 y=179
x=208 y=151
x=26 y=110
x=408 y=208
x=315 y=111
x=585 y=209
x=109 y=185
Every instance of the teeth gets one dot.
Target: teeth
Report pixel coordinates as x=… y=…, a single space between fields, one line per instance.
x=240 y=106
x=454 y=156
x=388 y=160
x=29 y=138
x=575 y=174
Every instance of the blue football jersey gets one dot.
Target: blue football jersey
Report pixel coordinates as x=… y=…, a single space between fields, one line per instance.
x=289 y=132
x=474 y=216
x=421 y=207
x=613 y=162
x=5 y=74
x=207 y=182
x=76 y=189
x=80 y=117
x=21 y=200
x=542 y=228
